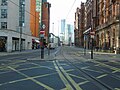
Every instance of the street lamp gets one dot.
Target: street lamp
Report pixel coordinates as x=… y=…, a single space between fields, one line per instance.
x=21 y=25
x=84 y=44
x=92 y=38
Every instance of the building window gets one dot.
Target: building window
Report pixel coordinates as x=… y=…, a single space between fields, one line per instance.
x=4 y=2
x=3 y=13
x=3 y=25
x=21 y=12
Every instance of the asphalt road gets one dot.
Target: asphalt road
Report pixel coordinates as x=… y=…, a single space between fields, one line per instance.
x=67 y=71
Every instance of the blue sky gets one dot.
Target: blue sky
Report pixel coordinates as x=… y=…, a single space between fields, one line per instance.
x=59 y=10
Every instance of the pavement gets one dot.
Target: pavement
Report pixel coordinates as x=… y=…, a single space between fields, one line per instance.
x=81 y=53
x=17 y=52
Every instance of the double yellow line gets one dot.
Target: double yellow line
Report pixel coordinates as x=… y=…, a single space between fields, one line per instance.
x=65 y=77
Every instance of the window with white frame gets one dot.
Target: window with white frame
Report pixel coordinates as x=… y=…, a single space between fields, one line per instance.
x=3 y=25
x=3 y=13
x=4 y=2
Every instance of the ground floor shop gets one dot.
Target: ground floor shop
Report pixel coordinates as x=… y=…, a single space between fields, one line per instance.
x=11 y=41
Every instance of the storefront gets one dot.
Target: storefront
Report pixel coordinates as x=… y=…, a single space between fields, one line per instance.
x=16 y=44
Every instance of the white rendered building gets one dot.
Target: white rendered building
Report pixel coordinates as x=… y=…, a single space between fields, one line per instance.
x=15 y=31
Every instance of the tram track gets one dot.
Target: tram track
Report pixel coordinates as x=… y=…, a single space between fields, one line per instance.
x=90 y=77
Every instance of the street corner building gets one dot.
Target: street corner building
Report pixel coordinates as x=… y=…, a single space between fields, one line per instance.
x=20 y=22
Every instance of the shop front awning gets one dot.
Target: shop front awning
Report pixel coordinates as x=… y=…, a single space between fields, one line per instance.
x=37 y=41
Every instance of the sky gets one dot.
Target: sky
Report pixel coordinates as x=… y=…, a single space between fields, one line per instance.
x=59 y=10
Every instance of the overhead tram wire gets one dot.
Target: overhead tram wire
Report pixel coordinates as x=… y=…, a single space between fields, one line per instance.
x=70 y=9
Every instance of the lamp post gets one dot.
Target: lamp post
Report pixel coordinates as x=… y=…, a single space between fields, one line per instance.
x=21 y=25
x=84 y=44
x=92 y=38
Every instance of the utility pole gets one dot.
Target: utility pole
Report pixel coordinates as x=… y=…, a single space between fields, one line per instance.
x=21 y=24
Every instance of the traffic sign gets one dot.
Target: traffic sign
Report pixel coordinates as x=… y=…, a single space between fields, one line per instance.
x=92 y=33
x=43 y=26
x=42 y=32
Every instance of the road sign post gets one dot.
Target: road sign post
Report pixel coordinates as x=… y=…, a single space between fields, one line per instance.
x=42 y=33
x=92 y=37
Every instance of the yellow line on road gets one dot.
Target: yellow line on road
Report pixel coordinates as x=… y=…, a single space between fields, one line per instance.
x=42 y=66
x=69 y=78
x=39 y=83
x=102 y=76
x=70 y=70
x=111 y=67
x=24 y=79
x=117 y=88
x=116 y=71
x=77 y=76
x=81 y=83
x=93 y=70
x=68 y=86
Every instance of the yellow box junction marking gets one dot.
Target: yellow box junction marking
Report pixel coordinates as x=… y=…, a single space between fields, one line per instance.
x=102 y=76
x=39 y=83
x=68 y=86
x=69 y=78
x=117 y=88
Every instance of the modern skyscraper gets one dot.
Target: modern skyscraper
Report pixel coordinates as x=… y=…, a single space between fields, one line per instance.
x=68 y=34
x=62 y=33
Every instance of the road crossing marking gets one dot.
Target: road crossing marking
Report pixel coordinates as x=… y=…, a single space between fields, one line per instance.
x=68 y=86
x=32 y=79
x=69 y=78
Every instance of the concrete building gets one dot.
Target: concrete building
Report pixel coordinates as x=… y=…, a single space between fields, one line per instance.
x=62 y=33
x=15 y=31
x=68 y=34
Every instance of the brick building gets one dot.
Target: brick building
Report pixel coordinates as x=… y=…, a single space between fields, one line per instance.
x=108 y=29
x=45 y=20
x=103 y=18
x=79 y=25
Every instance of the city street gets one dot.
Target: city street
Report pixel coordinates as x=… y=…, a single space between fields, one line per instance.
x=67 y=68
